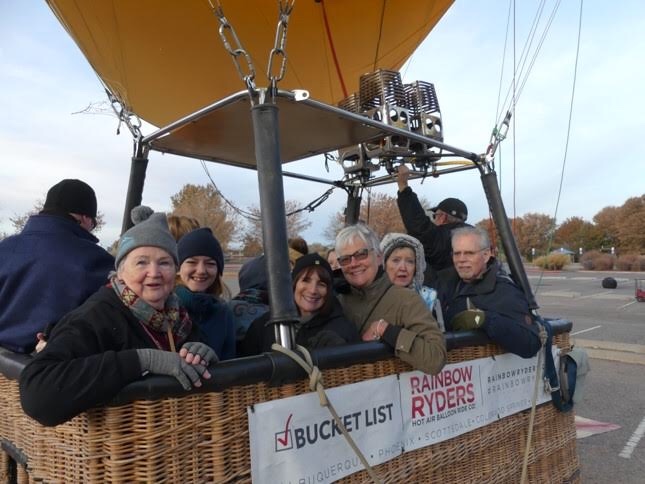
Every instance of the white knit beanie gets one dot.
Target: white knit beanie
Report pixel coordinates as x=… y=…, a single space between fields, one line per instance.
x=396 y=241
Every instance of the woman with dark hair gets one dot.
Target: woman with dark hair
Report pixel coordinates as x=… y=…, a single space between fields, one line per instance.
x=321 y=321
x=200 y=288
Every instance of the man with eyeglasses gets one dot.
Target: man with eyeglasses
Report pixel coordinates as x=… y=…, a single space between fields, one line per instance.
x=396 y=315
x=433 y=233
x=51 y=266
x=478 y=294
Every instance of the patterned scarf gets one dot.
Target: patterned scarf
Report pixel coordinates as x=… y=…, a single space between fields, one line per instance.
x=154 y=321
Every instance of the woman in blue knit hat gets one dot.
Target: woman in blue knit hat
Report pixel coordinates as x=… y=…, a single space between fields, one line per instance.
x=200 y=288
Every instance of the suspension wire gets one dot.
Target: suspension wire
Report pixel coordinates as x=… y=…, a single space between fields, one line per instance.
x=501 y=73
x=525 y=75
x=514 y=104
x=380 y=34
x=310 y=207
x=526 y=48
x=542 y=39
x=566 y=145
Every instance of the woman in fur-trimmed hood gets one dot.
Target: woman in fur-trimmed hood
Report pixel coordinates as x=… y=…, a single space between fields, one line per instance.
x=405 y=264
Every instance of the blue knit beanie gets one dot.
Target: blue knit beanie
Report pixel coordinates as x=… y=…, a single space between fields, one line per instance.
x=150 y=230
x=201 y=242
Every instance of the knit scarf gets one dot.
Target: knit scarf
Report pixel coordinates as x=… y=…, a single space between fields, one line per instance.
x=154 y=321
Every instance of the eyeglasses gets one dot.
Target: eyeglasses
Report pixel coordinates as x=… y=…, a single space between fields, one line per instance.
x=468 y=253
x=358 y=256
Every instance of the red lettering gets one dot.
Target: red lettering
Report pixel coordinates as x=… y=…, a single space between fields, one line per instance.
x=417 y=406
x=440 y=400
x=461 y=393
x=450 y=397
x=414 y=385
x=467 y=373
x=470 y=391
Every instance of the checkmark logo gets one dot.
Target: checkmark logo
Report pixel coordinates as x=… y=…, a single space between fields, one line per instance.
x=283 y=440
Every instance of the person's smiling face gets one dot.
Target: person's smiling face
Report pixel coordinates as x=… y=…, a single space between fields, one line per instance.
x=198 y=273
x=310 y=292
x=359 y=263
x=150 y=273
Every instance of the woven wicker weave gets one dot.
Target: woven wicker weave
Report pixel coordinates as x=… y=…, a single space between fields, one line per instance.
x=204 y=438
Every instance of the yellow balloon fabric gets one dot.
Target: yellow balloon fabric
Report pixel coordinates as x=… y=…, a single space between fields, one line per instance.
x=165 y=59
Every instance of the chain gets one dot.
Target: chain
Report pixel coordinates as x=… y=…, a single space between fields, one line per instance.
x=247 y=73
x=279 y=46
x=498 y=135
x=131 y=120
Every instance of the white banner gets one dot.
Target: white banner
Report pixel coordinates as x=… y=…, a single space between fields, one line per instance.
x=295 y=441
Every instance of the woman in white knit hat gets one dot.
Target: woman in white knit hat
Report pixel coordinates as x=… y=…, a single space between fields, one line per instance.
x=404 y=262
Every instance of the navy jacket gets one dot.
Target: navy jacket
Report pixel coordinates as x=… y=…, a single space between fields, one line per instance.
x=213 y=317
x=436 y=239
x=508 y=319
x=47 y=270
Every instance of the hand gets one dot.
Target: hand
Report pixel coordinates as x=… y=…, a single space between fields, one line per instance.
x=42 y=342
x=468 y=319
x=197 y=353
x=375 y=330
x=167 y=363
x=402 y=177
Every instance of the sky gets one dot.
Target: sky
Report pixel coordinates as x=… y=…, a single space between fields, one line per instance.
x=44 y=79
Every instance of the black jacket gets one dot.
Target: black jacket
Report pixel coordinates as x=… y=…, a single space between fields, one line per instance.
x=508 y=319
x=436 y=240
x=317 y=332
x=90 y=356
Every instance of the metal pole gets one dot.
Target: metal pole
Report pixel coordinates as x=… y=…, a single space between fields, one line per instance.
x=266 y=133
x=491 y=188
x=138 y=168
x=353 y=209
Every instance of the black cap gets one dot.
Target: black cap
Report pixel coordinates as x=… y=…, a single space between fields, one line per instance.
x=309 y=260
x=201 y=242
x=71 y=196
x=454 y=207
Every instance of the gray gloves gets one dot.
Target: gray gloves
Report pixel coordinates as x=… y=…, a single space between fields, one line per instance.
x=202 y=354
x=173 y=364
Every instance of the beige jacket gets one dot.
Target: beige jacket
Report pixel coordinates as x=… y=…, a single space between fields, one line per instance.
x=420 y=342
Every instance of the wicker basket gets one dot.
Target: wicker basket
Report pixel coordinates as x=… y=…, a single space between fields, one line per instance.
x=204 y=438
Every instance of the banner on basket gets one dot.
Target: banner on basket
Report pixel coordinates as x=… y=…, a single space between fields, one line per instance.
x=294 y=440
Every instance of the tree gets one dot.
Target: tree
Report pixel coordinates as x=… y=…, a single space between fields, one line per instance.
x=19 y=221
x=296 y=225
x=533 y=231
x=379 y=210
x=605 y=221
x=575 y=232
x=630 y=226
x=205 y=204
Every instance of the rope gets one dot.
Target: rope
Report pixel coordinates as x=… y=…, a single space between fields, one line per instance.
x=538 y=378
x=316 y=384
x=566 y=145
x=333 y=49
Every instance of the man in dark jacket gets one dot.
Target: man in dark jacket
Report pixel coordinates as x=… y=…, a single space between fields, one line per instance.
x=52 y=266
x=434 y=233
x=477 y=294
